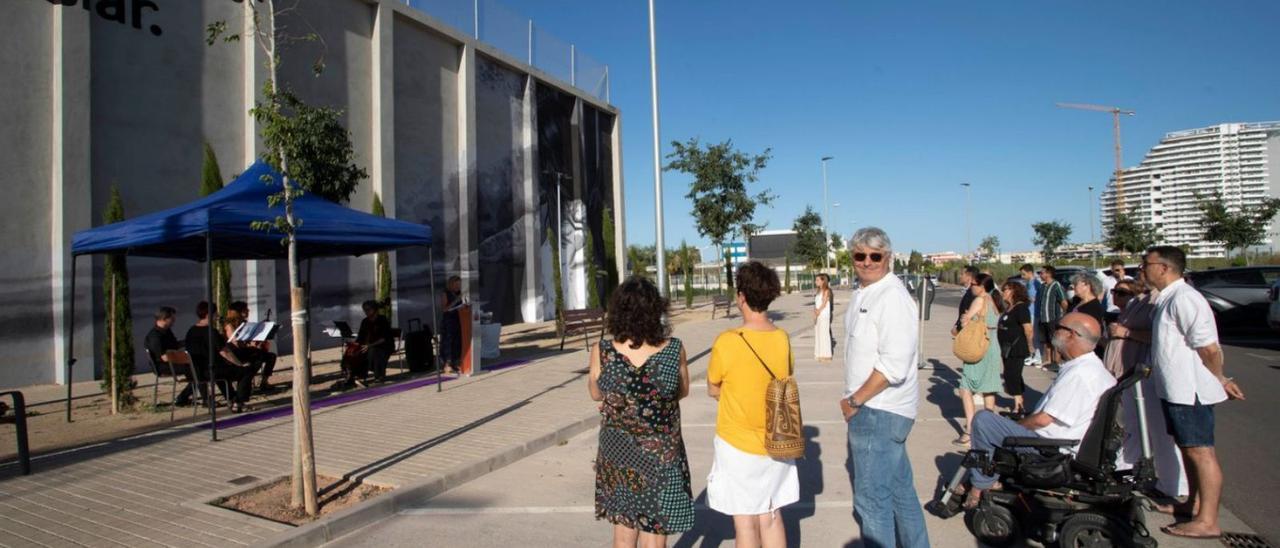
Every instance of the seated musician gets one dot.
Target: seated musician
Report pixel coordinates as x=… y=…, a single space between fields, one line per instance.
x=226 y=366
x=254 y=352
x=159 y=342
x=375 y=340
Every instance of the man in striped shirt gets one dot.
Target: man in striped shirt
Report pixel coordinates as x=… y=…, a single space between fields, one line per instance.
x=1051 y=305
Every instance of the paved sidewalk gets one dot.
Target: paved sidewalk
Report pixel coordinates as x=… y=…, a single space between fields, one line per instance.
x=151 y=490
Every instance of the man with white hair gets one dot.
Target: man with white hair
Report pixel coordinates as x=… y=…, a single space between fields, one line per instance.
x=881 y=395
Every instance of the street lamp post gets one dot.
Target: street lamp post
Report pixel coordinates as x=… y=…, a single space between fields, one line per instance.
x=826 y=210
x=657 y=158
x=968 y=242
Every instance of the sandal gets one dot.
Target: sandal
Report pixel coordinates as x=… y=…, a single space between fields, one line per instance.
x=962 y=440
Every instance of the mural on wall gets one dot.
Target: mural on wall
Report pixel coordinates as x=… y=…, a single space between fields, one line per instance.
x=555 y=184
x=500 y=209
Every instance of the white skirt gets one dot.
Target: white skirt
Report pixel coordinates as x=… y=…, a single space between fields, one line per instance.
x=742 y=483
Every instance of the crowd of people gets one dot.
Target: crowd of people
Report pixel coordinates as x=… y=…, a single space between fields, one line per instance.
x=1103 y=332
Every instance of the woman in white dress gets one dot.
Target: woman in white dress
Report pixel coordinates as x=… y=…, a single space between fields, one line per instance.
x=823 y=304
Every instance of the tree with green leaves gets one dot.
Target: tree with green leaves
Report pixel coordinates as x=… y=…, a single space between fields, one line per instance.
x=381 y=266
x=721 y=201
x=1126 y=233
x=641 y=258
x=117 y=349
x=1237 y=227
x=916 y=261
x=211 y=181
x=990 y=245
x=610 y=254
x=1050 y=235
x=837 y=244
x=313 y=153
x=811 y=241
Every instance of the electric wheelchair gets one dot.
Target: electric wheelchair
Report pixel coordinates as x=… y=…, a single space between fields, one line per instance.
x=1059 y=499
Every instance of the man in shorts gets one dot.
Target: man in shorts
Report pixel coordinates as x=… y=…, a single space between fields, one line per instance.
x=1051 y=304
x=1189 y=375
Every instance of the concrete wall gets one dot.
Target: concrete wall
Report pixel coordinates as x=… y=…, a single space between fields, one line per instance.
x=444 y=125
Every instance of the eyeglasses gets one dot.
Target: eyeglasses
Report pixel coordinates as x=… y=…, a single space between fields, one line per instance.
x=875 y=257
x=1121 y=292
x=1146 y=264
x=1065 y=328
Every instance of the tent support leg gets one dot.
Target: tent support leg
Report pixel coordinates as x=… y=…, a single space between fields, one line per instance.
x=210 y=395
x=435 y=327
x=70 y=327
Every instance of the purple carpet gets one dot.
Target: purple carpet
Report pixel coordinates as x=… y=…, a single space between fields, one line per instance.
x=233 y=421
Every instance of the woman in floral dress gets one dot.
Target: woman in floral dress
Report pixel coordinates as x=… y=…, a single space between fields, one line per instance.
x=642 y=472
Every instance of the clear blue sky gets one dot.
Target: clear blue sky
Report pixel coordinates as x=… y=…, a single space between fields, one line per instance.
x=915 y=97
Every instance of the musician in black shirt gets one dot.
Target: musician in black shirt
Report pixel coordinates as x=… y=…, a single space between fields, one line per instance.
x=159 y=341
x=225 y=366
x=375 y=340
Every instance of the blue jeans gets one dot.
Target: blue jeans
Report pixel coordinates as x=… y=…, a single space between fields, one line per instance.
x=988 y=432
x=884 y=501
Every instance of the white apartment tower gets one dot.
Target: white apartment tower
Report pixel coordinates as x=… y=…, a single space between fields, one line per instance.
x=1239 y=162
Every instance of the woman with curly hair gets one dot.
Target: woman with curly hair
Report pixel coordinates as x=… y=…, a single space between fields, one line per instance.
x=745 y=482
x=640 y=376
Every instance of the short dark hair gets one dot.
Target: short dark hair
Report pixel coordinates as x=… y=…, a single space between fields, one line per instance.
x=972 y=270
x=635 y=313
x=758 y=284
x=1116 y=263
x=1050 y=269
x=165 y=312
x=370 y=305
x=1027 y=268
x=202 y=309
x=1172 y=256
x=241 y=307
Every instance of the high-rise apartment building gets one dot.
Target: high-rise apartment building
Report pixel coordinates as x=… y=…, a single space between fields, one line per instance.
x=1239 y=163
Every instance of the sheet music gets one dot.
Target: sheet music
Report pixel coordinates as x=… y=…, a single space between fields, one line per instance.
x=254 y=331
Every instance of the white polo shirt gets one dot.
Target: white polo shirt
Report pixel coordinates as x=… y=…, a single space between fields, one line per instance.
x=1184 y=322
x=1073 y=397
x=881 y=332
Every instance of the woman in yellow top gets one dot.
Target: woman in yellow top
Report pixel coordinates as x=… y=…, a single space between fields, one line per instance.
x=745 y=482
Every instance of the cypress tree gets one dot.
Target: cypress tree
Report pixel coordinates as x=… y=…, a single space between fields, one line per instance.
x=211 y=181
x=593 y=270
x=787 y=275
x=610 y=254
x=555 y=277
x=115 y=273
x=382 y=266
x=687 y=261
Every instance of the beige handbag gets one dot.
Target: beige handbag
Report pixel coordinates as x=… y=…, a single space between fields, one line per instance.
x=971 y=342
x=784 y=429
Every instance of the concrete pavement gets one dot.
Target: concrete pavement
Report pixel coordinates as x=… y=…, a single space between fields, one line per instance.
x=547 y=499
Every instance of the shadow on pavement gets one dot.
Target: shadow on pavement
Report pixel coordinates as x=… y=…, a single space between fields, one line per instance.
x=811 y=485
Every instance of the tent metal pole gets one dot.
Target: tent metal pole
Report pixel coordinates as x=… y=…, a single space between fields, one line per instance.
x=70 y=334
x=210 y=395
x=435 y=327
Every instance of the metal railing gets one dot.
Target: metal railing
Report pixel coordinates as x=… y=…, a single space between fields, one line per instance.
x=518 y=36
x=20 y=420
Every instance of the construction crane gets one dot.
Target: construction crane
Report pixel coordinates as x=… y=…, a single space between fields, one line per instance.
x=1115 y=120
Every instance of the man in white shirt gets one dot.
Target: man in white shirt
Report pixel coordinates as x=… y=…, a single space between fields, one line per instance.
x=880 y=396
x=1190 y=380
x=1066 y=409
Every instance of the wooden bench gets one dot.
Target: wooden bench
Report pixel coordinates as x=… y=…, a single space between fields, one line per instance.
x=582 y=321
x=721 y=301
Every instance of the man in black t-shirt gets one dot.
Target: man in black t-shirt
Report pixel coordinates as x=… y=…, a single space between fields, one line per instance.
x=375 y=339
x=966 y=279
x=159 y=341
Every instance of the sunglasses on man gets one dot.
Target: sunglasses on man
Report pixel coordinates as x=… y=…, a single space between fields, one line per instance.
x=875 y=257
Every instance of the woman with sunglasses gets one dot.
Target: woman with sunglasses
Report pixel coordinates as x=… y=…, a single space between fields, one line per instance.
x=982 y=376
x=1128 y=345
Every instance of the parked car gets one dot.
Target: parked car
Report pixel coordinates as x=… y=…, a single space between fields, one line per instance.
x=1273 y=317
x=1240 y=297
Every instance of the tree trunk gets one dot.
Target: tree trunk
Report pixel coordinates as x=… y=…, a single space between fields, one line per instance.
x=111 y=367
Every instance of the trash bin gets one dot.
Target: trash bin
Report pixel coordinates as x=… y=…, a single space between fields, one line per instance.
x=923 y=295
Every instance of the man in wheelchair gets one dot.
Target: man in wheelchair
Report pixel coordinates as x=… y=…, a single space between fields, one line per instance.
x=1051 y=476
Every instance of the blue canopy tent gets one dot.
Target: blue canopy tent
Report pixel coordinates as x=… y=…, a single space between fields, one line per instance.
x=219 y=226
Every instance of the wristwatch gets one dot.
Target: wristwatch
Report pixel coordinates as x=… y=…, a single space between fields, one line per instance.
x=852 y=402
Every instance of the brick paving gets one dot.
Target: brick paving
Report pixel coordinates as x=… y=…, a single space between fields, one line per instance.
x=151 y=490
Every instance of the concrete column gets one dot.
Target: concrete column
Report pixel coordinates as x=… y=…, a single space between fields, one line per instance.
x=529 y=306
x=70 y=192
x=619 y=220
x=383 y=159
x=259 y=276
x=468 y=183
